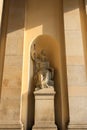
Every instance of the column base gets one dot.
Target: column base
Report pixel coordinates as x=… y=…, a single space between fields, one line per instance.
x=11 y=126
x=77 y=127
x=54 y=127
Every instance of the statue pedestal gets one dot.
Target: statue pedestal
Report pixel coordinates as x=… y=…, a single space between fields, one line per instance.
x=44 y=109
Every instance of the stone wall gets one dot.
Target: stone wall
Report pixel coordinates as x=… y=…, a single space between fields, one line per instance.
x=74 y=17
x=42 y=22
x=39 y=19
x=10 y=105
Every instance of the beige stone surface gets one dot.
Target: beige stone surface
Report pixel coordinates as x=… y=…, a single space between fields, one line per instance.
x=10 y=111
x=74 y=45
x=76 y=126
x=44 y=109
x=11 y=126
x=75 y=39
x=78 y=110
x=82 y=91
x=75 y=60
x=83 y=28
x=71 y=15
x=12 y=72
x=44 y=24
x=3 y=32
x=15 y=46
x=1 y=9
x=76 y=75
x=10 y=102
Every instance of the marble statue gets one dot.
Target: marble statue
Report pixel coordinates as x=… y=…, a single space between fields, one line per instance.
x=43 y=76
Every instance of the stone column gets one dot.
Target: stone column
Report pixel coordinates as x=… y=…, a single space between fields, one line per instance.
x=11 y=54
x=75 y=35
x=44 y=109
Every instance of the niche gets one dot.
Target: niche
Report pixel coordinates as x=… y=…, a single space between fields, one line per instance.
x=50 y=45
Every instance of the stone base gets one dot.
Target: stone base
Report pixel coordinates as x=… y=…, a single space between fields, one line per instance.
x=77 y=127
x=45 y=127
x=44 y=109
x=50 y=128
x=11 y=127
